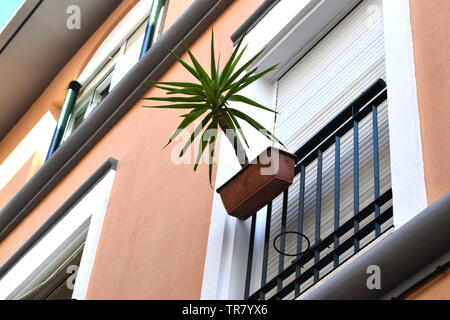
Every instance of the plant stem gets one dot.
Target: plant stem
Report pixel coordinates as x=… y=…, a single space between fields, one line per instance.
x=235 y=142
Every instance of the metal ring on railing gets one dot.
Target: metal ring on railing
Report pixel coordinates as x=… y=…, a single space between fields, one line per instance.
x=289 y=254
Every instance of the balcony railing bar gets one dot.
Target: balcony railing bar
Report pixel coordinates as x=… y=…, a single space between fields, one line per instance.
x=337 y=184
x=313 y=150
x=301 y=211
x=337 y=130
x=325 y=243
x=283 y=236
x=376 y=165
x=355 y=175
x=266 y=248
x=368 y=97
x=250 y=254
x=363 y=232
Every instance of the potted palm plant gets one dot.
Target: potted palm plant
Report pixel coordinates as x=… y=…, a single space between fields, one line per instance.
x=208 y=102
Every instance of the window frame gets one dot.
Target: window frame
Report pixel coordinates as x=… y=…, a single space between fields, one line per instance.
x=227 y=247
x=113 y=69
x=80 y=223
x=84 y=104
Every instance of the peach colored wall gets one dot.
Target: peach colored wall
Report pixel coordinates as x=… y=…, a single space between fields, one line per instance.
x=430 y=31
x=438 y=288
x=175 y=10
x=154 y=238
x=52 y=99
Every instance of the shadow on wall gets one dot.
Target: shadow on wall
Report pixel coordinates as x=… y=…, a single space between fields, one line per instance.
x=20 y=165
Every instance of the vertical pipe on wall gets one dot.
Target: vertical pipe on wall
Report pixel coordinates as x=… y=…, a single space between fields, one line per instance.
x=66 y=110
x=154 y=20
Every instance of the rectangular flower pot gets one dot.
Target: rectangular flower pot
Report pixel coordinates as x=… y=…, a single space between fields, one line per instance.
x=258 y=183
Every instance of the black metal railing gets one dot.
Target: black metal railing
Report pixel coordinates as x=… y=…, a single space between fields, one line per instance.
x=291 y=279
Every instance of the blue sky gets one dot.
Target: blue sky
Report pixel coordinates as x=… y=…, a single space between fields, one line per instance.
x=7 y=10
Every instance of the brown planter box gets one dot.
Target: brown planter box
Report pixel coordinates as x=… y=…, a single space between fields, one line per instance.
x=251 y=189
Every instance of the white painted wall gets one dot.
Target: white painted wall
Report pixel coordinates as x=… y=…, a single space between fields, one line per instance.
x=226 y=258
x=407 y=175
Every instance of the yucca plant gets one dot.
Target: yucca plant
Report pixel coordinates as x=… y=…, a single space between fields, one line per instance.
x=209 y=98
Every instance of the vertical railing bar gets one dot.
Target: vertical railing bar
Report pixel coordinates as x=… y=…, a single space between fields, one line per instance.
x=318 y=212
x=250 y=257
x=278 y=281
x=283 y=237
x=266 y=249
x=376 y=168
x=301 y=211
x=355 y=176
x=337 y=186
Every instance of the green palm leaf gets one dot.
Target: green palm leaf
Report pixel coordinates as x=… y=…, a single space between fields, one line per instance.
x=208 y=100
x=175 y=84
x=202 y=145
x=178 y=106
x=255 y=125
x=214 y=74
x=188 y=119
x=246 y=100
x=177 y=99
x=194 y=134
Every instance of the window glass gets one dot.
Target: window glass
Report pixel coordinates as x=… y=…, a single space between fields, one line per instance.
x=114 y=70
x=160 y=22
x=100 y=92
x=130 y=53
x=91 y=95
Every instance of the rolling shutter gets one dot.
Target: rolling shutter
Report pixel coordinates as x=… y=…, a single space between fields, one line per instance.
x=320 y=85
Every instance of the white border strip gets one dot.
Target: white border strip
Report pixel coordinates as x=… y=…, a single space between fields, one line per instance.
x=407 y=172
x=93 y=238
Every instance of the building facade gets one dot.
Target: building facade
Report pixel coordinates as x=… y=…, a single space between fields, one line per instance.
x=94 y=208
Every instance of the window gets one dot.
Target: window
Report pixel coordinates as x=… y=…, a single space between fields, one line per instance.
x=59 y=264
x=328 y=53
x=129 y=53
x=59 y=284
x=112 y=72
x=340 y=199
x=91 y=95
